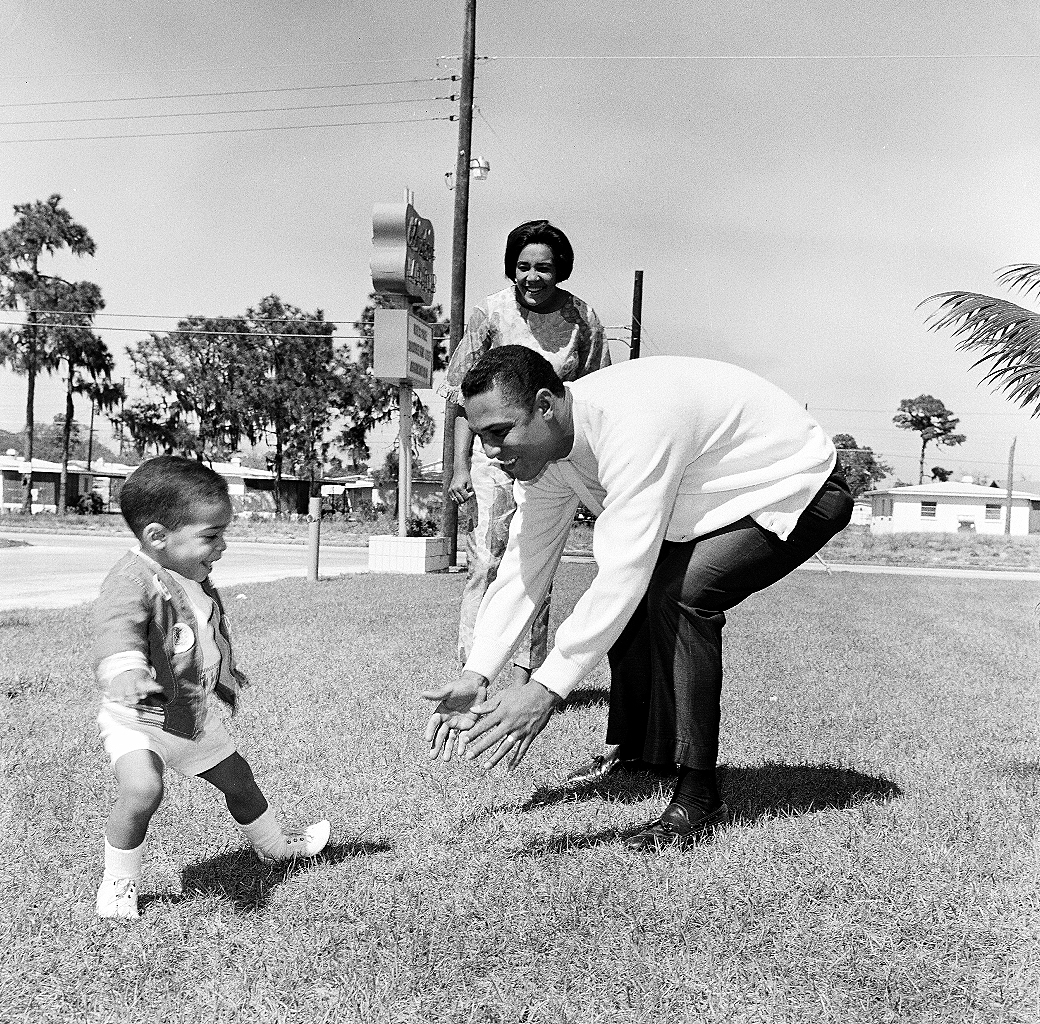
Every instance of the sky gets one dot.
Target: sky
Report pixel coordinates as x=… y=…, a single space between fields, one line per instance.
x=793 y=179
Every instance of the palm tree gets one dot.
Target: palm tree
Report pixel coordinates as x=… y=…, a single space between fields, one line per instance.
x=40 y=227
x=1007 y=335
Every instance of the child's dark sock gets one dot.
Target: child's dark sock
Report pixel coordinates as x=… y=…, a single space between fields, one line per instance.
x=697 y=789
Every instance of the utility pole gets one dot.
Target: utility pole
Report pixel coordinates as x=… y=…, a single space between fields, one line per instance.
x=637 y=315
x=1011 y=477
x=450 y=513
x=90 y=436
x=122 y=410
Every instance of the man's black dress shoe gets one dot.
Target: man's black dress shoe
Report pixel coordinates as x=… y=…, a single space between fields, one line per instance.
x=611 y=762
x=678 y=827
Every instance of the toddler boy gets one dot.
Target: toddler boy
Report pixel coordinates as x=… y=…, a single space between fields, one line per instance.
x=164 y=661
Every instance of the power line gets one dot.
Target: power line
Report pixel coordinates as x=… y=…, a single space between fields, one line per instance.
x=181 y=318
x=169 y=316
x=226 y=131
x=887 y=412
x=153 y=70
x=224 y=334
x=228 y=92
x=217 y=113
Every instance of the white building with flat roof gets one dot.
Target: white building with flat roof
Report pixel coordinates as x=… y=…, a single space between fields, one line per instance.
x=953 y=507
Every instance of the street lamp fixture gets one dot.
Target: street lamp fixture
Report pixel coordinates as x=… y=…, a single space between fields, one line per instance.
x=479 y=169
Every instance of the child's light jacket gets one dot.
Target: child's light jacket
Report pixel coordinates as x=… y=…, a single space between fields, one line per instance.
x=142 y=608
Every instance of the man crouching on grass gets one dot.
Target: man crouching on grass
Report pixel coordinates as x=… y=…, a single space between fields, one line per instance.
x=708 y=484
x=165 y=666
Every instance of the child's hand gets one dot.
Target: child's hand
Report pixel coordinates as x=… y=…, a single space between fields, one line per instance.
x=132 y=687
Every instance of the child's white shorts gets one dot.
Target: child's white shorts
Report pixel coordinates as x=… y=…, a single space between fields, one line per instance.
x=122 y=731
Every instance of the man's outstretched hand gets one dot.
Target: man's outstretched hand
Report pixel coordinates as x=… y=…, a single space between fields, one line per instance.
x=510 y=721
x=454 y=715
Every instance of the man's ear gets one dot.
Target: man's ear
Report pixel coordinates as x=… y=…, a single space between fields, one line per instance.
x=154 y=534
x=544 y=403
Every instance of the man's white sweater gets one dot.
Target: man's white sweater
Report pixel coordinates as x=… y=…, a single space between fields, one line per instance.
x=665 y=448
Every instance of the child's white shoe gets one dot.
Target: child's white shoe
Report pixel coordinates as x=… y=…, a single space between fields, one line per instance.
x=117 y=897
x=308 y=843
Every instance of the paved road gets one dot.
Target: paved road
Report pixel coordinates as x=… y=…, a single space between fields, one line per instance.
x=60 y=570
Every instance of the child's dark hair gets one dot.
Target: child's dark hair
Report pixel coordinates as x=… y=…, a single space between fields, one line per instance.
x=539 y=232
x=519 y=372
x=169 y=490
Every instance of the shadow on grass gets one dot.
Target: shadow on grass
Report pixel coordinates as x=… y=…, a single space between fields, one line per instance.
x=240 y=877
x=765 y=790
x=588 y=697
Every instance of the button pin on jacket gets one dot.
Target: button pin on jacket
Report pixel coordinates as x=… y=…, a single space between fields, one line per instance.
x=183 y=637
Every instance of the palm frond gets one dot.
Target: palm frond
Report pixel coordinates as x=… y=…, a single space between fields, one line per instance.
x=1007 y=335
x=1024 y=276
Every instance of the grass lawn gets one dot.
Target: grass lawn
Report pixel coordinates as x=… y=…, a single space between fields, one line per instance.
x=880 y=748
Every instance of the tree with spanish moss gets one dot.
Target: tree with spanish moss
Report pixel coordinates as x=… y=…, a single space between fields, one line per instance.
x=88 y=362
x=206 y=373
x=862 y=469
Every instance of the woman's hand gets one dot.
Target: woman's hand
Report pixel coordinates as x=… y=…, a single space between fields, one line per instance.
x=454 y=716
x=461 y=487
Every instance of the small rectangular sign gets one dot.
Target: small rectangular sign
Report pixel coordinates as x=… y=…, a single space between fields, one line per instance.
x=402 y=348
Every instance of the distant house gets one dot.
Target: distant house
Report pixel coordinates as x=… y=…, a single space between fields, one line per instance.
x=351 y=493
x=953 y=507
x=104 y=478
x=251 y=490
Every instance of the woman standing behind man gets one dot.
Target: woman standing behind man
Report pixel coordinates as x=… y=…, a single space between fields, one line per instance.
x=535 y=312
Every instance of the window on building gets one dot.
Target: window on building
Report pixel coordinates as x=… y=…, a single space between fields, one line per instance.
x=993 y=513
x=928 y=509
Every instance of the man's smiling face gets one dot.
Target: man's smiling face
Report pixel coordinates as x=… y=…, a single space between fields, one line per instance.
x=520 y=440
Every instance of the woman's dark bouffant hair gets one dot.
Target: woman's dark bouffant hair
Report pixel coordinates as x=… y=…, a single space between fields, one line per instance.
x=539 y=232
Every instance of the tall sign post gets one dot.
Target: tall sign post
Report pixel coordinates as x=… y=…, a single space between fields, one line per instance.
x=402 y=345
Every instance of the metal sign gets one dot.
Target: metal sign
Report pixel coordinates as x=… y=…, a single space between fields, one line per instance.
x=402 y=256
x=402 y=348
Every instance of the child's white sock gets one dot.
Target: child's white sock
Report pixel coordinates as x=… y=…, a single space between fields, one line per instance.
x=117 y=894
x=265 y=835
x=123 y=863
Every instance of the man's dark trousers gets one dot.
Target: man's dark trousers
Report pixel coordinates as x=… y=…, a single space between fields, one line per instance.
x=666 y=667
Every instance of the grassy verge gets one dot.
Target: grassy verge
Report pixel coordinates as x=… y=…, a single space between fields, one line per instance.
x=880 y=751
x=854 y=545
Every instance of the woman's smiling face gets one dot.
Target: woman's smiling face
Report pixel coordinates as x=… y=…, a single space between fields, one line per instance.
x=535 y=275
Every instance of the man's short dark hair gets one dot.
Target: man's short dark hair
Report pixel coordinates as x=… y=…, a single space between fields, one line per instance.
x=519 y=372
x=539 y=232
x=170 y=490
